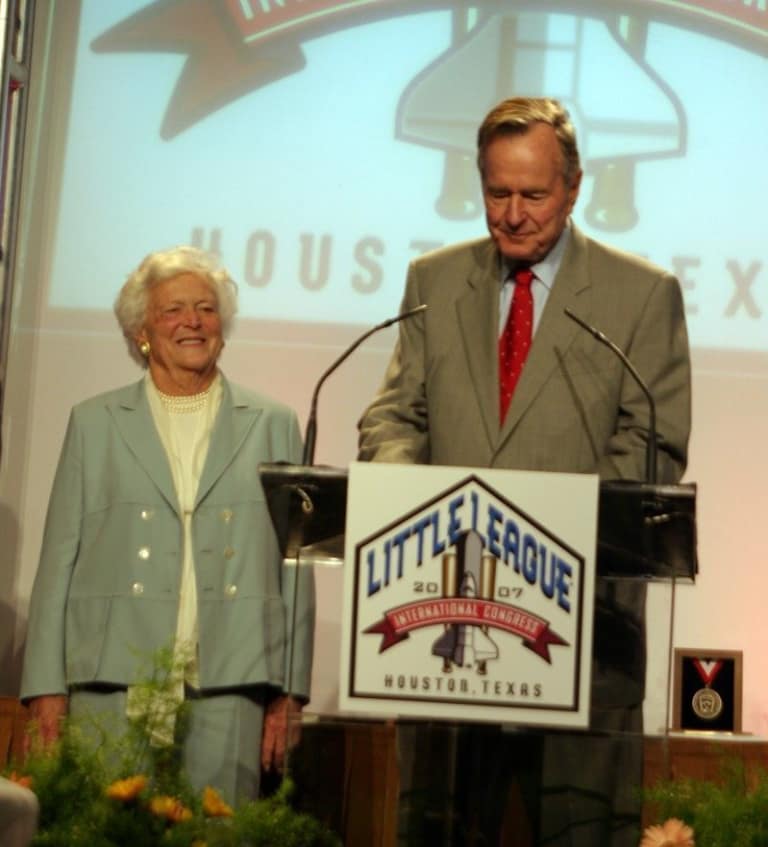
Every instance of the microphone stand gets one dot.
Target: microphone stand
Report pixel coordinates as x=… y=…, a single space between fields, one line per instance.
x=310 y=434
x=650 y=448
x=650 y=477
x=323 y=519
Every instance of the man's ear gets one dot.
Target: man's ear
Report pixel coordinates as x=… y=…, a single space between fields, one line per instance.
x=573 y=191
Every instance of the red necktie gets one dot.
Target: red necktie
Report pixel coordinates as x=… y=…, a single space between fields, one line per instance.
x=515 y=341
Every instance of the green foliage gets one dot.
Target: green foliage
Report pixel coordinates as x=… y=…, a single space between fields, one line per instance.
x=728 y=814
x=272 y=821
x=71 y=781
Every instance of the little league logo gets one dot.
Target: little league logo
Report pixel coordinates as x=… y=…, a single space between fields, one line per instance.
x=467 y=609
x=235 y=47
x=470 y=598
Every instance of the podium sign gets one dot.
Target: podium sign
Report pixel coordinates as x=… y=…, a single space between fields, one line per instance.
x=468 y=594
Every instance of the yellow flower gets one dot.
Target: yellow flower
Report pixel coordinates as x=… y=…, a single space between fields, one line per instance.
x=169 y=808
x=126 y=789
x=214 y=806
x=23 y=781
x=672 y=833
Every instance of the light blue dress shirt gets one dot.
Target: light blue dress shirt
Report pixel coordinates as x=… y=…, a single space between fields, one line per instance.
x=544 y=271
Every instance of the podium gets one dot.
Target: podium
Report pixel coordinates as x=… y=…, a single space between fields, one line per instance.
x=308 y=507
x=645 y=532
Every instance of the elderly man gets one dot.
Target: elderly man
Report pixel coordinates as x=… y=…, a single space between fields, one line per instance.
x=496 y=374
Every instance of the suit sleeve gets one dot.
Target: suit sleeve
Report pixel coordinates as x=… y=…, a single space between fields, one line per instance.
x=44 y=665
x=659 y=351
x=395 y=428
x=298 y=591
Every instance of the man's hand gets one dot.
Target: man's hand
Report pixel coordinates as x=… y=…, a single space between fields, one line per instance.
x=282 y=730
x=45 y=713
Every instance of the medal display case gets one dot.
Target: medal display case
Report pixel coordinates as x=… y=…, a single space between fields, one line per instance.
x=707 y=690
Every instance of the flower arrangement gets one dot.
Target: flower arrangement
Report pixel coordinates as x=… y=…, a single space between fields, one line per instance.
x=123 y=790
x=730 y=813
x=672 y=833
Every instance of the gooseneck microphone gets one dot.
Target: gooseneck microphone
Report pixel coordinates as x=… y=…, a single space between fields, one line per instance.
x=650 y=447
x=310 y=434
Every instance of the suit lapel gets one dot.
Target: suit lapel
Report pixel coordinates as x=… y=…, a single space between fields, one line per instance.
x=133 y=418
x=233 y=423
x=556 y=331
x=478 y=315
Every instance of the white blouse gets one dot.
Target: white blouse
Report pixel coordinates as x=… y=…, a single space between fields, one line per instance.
x=184 y=425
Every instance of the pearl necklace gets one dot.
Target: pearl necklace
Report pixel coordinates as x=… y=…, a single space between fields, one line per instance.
x=185 y=403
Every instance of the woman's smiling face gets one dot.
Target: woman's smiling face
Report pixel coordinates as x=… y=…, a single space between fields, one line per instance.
x=183 y=328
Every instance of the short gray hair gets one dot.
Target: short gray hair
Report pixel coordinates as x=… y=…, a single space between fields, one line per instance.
x=131 y=303
x=517 y=115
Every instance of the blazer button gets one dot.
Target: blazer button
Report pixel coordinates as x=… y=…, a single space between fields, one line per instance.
x=228 y=552
x=147 y=514
x=144 y=553
x=137 y=588
x=230 y=590
x=226 y=515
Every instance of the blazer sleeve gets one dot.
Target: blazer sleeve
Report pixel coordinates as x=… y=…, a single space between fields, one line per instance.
x=395 y=427
x=659 y=351
x=44 y=669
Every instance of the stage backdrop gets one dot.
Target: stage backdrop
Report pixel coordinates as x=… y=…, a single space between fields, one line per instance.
x=318 y=146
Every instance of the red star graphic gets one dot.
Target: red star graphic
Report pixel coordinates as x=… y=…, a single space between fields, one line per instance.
x=219 y=67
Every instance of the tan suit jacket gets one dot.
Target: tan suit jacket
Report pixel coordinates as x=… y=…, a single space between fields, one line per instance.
x=575 y=409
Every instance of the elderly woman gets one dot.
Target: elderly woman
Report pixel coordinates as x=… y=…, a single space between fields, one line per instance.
x=158 y=534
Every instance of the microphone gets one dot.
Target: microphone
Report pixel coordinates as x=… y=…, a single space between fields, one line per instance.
x=311 y=431
x=650 y=447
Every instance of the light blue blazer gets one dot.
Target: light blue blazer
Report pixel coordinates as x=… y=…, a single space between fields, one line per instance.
x=106 y=593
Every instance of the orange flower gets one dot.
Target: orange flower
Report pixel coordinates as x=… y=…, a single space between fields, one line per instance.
x=672 y=833
x=126 y=789
x=169 y=808
x=214 y=806
x=23 y=781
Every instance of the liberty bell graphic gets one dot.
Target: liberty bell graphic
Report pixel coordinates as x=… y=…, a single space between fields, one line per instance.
x=623 y=112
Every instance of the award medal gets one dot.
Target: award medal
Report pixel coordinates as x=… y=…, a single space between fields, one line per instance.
x=706 y=702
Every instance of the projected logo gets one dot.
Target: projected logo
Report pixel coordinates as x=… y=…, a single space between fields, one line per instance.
x=497 y=49
x=466 y=598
